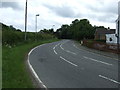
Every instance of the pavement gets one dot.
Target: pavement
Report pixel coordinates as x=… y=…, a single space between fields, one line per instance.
x=104 y=53
x=67 y=64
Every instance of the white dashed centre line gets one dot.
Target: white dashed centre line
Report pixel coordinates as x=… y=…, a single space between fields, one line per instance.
x=109 y=79
x=55 y=47
x=55 y=52
x=96 y=60
x=68 y=61
x=67 y=50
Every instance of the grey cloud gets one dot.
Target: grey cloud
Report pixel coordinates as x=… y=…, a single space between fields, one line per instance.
x=110 y=8
x=13 y=5
x=64 y=11
x=104 y=12
x=104 y=17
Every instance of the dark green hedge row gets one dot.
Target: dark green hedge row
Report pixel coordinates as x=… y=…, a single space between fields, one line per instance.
x=12 y=36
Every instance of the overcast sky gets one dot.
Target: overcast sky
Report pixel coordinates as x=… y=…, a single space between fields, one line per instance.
x=58 y=12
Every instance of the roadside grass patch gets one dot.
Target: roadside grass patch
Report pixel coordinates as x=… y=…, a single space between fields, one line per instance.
x=14 y=72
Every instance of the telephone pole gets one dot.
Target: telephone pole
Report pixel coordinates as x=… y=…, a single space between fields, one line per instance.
x=26 y=21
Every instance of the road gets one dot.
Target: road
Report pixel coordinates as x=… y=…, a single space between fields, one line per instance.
x=64 y=64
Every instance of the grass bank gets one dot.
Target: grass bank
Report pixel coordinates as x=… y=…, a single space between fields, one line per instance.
x=14 y=73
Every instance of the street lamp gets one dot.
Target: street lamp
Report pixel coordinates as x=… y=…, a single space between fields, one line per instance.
x=25 y=20
x=53 y=26
x=36 y=24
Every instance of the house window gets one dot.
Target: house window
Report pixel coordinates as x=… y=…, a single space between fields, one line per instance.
x=110 y=39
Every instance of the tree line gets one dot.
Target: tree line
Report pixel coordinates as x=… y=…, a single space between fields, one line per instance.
x=13 y=36
x=78 y=30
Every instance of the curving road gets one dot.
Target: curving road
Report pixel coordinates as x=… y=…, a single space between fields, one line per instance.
x=64 y=64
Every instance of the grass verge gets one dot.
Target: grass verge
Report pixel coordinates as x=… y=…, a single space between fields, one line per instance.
x=14 y=73
x=0 y=66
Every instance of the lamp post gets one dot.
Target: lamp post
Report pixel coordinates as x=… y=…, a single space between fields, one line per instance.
x=53 y=26
x=36 y=24
x=26 y=20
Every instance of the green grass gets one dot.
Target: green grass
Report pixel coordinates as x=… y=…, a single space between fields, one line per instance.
x=14 y=73
x=0 y=66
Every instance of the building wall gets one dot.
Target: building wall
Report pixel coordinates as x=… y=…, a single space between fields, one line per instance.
x=111 y=39
x=102 y=37
x=113 y=36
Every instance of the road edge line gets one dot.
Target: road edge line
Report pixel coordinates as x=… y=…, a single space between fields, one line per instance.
x=32 y=70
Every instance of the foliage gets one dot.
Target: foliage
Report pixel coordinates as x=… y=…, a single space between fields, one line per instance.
x=79 y=29
x=50 y=31
x=101 y=40
x=12 y=36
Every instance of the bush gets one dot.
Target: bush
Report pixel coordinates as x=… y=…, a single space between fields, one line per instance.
x=88 y=43
x=101 y=40
x=11 y=36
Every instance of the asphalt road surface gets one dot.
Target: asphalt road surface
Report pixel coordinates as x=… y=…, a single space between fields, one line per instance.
x=64 y=64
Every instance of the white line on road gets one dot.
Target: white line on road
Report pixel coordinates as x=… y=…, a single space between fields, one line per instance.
x=94 y=53
x=96 y=60
x=61 y=47
x=67 y=50
x=76 y=47
x=71 y=52
x=55 y=47
x=68 y=61
x=55 y=52
x=33 y=71
x=109 y=79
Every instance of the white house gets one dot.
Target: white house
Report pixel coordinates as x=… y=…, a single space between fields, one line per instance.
x=113 y=38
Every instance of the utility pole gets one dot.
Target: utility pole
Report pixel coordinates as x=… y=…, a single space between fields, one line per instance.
x=26 y=21
x=118 y=42
x=118 y=36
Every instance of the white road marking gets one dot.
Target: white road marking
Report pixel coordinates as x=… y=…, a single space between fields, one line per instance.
x=55 y=47
x=76 y=46
x=97 y=60
x=70 y=52
x=67 y=50
x=33 y=71
x=94 y=53
x=68 y=61
x=55 y=52
x=109 y=79
x=61 y=47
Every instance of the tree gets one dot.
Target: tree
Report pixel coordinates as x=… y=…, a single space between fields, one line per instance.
x=79 y=29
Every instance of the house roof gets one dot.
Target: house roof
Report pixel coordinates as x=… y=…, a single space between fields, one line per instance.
x=102 y=31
